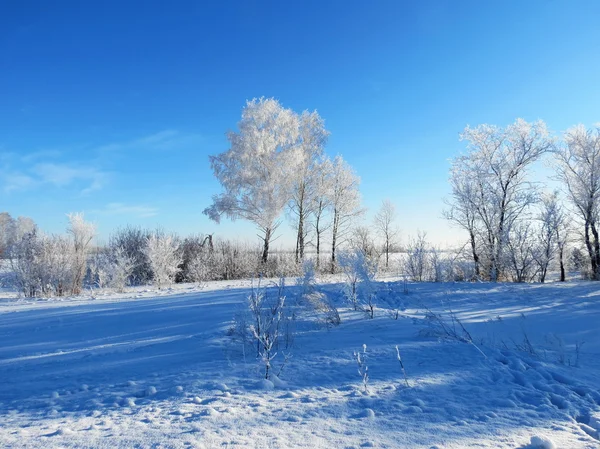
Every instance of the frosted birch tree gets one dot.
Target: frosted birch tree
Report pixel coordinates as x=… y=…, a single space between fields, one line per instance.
x=551 y=235
x=579 y=170
x=164 y=256
x=82 y=234
x=7 y=233
x=493 y=188
x=256 y=171
x=321 y=202
x=345 y=203
x=464 y=205
x=311 y=142
x=385 y=226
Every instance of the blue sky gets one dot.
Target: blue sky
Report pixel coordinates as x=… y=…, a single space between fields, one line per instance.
x=112 y=108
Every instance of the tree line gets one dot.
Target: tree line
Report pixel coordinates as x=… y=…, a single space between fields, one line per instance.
x=515 y=227
x=276 y=167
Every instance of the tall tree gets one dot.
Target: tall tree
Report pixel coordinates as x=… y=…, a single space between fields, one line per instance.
x=551 y=235
x=345 y=203
x=494 y=182
x=7 y=233
x=82 y=233
x=464 y=206
x=311 y=142
x=256 y=171
x=579 y=170
x=386 y=228
x=321 y=202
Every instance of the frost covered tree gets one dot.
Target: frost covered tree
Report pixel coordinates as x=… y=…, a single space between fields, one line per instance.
x=344 y=201
x=58 y=266
x=198 y=258
x=112 y=267
x=359 y=279
x=24 y=225
x=132 y=241
x=24 y=254
x=579 y=170
x=7 y=233
x=490 y=186
x=384 y=222
x=12 y=230
x=51 y=264
x=43 y=265
x=312 y=137
x=520 y=251
x=164 y=257
x=415 y=264
x=256 y=171
x=464 y=203
x=551 y=235
x=361 y=239
x=82 y=233
x=321 y=202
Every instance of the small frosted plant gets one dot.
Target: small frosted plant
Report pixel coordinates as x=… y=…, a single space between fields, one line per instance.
x=402 y=366
x=363 y=369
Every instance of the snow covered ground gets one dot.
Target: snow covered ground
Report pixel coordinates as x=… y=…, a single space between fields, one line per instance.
x=159 y=370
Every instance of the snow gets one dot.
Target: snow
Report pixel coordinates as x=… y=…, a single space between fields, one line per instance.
x=160 y=369
x=540 y=442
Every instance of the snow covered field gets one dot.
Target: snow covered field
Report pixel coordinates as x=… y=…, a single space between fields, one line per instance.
x=155 y=370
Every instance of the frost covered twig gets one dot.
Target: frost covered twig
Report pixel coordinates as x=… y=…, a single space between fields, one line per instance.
x=402 y=366
x=363 y=369
x=456 y=331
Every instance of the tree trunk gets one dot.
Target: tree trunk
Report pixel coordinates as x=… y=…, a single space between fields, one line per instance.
x=267 y=240
x=562 y=264
x=596 y=251
x=387 y=252
x=590 y=248
x=475 y=255
x=543 y=274
x=333 y=254
x=318 y=232
x=300 y=237
x=334 y=231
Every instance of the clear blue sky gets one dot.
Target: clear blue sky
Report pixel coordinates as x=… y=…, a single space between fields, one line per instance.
x=112 y=108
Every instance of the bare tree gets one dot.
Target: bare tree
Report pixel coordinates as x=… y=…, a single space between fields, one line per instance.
x=345 y=203
x=550 y=236
x=579 y=170
x=321 y=202
x=7 y=233
x=385 y=227
x=312 y=139
x=493 y=189
x=464 y=206
x=82 y=233
x=361 y=240
x=416 y=257
x=519 y=251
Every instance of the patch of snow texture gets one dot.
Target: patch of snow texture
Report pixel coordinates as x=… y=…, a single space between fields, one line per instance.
x=541 y=442
x=266 y=384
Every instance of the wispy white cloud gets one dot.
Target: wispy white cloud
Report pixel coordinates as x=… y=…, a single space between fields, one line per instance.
x=139 y=210
x=40 y=155
x=15 y=181
x=165 y=140
x=63 y=175
x=21 y=171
